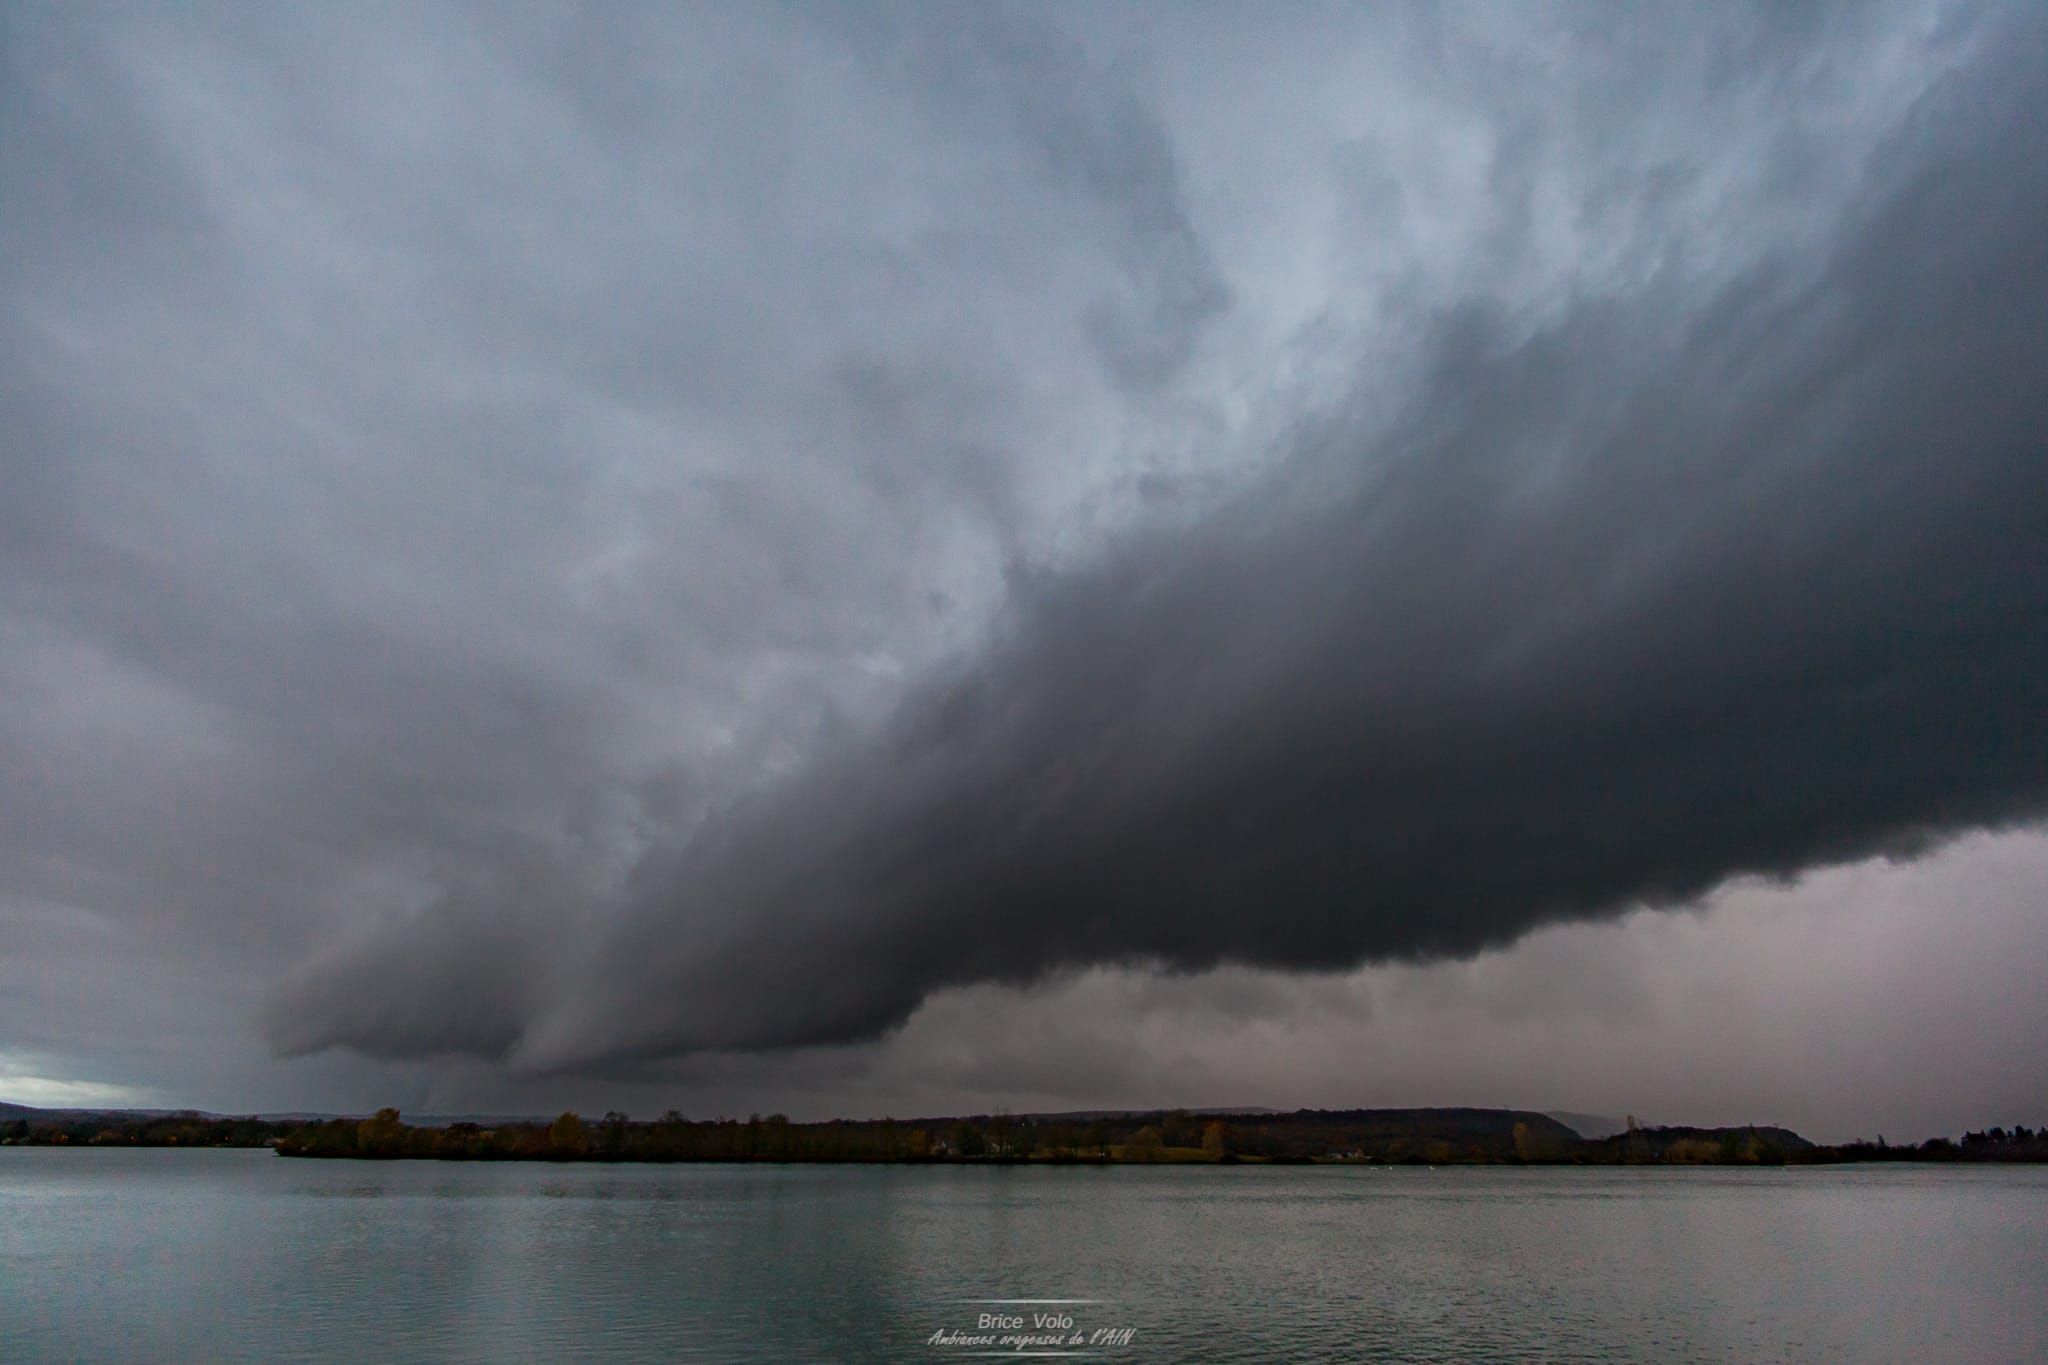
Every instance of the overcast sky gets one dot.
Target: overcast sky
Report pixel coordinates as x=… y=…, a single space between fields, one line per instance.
x=863 y=559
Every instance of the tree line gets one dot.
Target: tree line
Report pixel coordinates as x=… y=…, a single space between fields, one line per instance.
x=1401 y=1137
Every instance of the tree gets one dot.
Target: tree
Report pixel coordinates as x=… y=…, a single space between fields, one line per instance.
x=1145 y=1145
x=1213 y=1139
x=381 y=1134
x=567 y=1136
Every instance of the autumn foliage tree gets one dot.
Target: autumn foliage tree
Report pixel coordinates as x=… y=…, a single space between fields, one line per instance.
x=568 y=1136
x=381 y=1134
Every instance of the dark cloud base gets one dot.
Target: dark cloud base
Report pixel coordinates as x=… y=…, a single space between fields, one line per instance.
x=1666 y=593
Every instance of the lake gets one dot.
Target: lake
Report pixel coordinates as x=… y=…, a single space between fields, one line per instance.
x=138 y=1254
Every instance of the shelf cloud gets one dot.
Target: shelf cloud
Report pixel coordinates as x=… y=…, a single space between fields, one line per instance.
x=1668 y=590
x=583 y=542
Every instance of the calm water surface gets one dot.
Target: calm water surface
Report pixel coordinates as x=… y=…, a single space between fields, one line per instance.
x=239 y=1255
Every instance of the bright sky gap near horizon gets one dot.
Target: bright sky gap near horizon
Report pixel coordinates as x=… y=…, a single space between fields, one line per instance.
x=916 y=558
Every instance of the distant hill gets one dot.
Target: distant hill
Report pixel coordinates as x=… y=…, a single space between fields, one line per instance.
x=1421 y=1136
x=1416 y=1135
x=1763 y=1132
x=1762 y=1143
x=1588 y=1125
x=10 y=1112
x=1432 y=1137
x=1091 y=1115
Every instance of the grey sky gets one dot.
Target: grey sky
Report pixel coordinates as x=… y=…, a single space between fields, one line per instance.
x=545 y=550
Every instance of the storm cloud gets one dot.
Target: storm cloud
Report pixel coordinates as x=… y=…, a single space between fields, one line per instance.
x=1668 y=591
x=584 y=541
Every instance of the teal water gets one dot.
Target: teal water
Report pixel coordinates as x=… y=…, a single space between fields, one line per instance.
x=239 y=1255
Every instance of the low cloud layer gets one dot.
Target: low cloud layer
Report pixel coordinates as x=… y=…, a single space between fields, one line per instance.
x=572 y=545
x=1670 y=590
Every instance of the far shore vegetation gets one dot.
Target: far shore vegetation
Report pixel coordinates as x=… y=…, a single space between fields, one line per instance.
x=1434 y=1137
